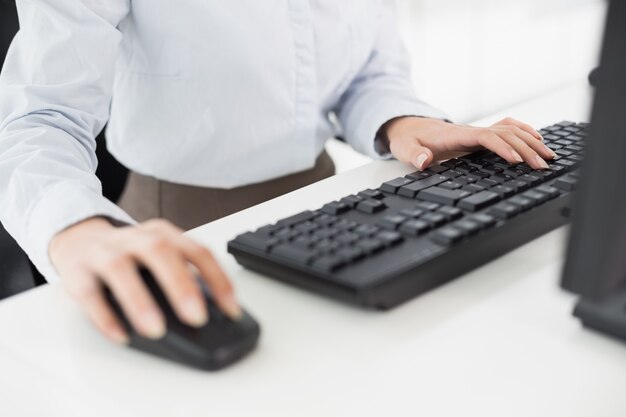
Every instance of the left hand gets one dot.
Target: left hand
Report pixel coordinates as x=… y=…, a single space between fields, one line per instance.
x=421 y=141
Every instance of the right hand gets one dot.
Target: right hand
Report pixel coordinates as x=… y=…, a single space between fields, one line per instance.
x=94 y=253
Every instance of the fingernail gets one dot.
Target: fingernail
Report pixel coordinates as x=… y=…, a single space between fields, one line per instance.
x=231 y=307
x=517 y=156
x=195 y=312
x=153 y=324
x=552 y=153
x=541 y=162
x=421 y=158
x=118 y=335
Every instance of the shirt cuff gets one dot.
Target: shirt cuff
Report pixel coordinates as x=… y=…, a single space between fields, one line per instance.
x=62 y=206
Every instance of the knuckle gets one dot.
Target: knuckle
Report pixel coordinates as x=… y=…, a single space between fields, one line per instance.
x=157 y=243
x=116 y=261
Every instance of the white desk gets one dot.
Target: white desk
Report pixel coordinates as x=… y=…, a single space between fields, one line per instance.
x=499 y=341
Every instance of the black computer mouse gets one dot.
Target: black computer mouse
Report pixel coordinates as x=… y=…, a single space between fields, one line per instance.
x=219 y=343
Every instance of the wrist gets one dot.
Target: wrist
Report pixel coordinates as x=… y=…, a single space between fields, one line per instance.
x=77 y=231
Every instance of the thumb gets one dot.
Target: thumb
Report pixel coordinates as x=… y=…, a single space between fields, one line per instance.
x=421 y=157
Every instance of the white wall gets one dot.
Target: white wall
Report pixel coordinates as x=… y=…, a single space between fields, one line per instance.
x=473 y=57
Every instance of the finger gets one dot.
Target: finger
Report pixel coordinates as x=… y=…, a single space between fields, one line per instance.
x=119 y=273
x=524 y=126
x=495 y=143
x=87 y=291
x=101 y=315
x=531 y=157
x=210 y=271
x=538 y=146
x=160 y=255
x=420 y=156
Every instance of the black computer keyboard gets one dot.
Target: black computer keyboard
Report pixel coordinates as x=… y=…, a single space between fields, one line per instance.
x=380 y=247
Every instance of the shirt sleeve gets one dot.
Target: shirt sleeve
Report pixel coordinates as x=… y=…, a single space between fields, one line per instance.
x=381 y=91
x=55 y=92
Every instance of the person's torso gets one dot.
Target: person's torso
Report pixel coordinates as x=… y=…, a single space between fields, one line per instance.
x=222 y=93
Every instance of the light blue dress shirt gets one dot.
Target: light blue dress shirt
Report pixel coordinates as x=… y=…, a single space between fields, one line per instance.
x=203 y=92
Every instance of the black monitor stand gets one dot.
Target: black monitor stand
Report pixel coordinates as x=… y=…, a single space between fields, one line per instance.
x=606 y=316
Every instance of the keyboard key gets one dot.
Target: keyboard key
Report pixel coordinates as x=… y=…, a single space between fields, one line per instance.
x=391 y=222
x=557 y=169
x=286 y=234
x=551 y=192
x=350 y=254
x=345 y=224
x=448 y=236
x=326 y=233
x=351 y=200
x=484 y=220
x=393 y=185
x=335 y=208
x=427 y=206
x=503 y=211
x=418 y=175
x=305 y=242
x=414 y=227
x=270 y=229
x=437 y=169
x=347 y=238
x=329 y=263
x=451 y=185
x=370 y=245
x=473 y=188
x=464 y=179
x=371 y=206
x=530 y=178
x=566 y=163
x=517 y=185
x=563 y=152
x=492 y=170
x=565 y=183
x=257 y=241
x=451 y=174
x=452 y=213
x=523 y=203
x=487 y=183
x=306 y=227
x=435 y=219
x=442 y=195
x=536 y=196
x=296 y=218
x=451 y=163
x=468 y=226
x=412 y=212
x=326 y=219
x=293 y=253
x=369 y=193
x=503 y=190
x=479 y=201
x=326 y=246
x=411 y=190
x=367 y=230
x=389 y=238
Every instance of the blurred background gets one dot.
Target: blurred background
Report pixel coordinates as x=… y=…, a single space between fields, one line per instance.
x=472 y=58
